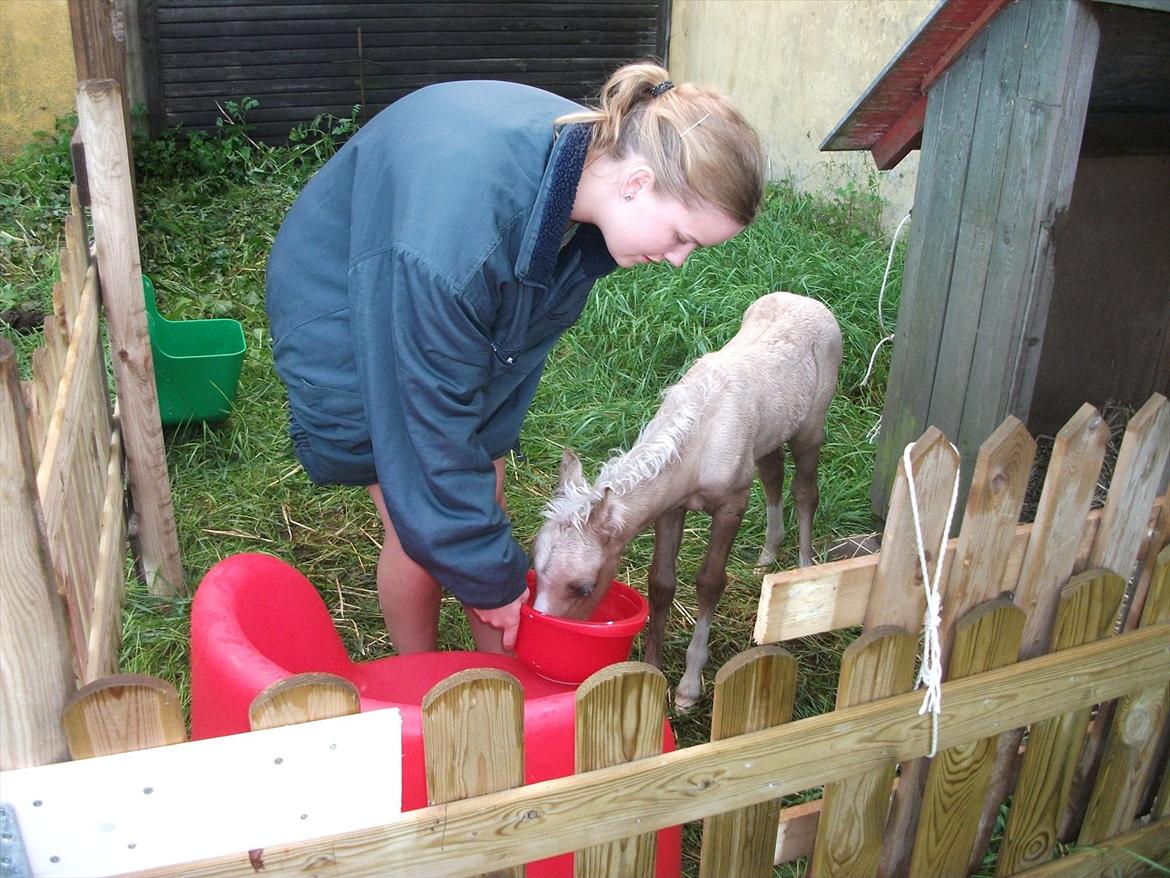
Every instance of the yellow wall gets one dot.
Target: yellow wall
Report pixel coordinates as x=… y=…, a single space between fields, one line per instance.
x=36 y=69
x=794 y=68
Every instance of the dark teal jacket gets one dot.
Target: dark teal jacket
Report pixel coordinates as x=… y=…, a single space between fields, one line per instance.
x=414 y=292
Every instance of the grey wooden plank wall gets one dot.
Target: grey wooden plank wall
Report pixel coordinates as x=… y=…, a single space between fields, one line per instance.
x=301 y=58
x=999 y=154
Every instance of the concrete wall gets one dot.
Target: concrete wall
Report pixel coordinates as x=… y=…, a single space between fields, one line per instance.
x=36 y=69
x=794 y=68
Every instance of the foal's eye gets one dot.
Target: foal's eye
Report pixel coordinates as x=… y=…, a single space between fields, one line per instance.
x=583 y=591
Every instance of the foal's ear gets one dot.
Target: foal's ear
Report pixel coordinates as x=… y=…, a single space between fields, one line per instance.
x=605 y=515
x=571 y=472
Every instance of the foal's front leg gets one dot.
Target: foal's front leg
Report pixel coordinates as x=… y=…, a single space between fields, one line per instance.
x=710 y=583
x=663 y=579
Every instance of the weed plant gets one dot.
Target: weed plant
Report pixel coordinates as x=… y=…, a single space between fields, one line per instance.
x=209 y=206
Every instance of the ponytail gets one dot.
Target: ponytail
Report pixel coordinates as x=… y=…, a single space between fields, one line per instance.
x=698 y=145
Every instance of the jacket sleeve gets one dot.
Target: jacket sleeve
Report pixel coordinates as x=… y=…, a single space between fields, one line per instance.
x=422 y=361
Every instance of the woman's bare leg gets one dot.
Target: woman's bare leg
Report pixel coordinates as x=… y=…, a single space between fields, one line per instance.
x=409 y=596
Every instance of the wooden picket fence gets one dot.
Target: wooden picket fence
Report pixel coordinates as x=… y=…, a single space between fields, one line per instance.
x=64 y=478
x=64 y=534
x=1010 y=592
x=75 y=448
x=1045 y=626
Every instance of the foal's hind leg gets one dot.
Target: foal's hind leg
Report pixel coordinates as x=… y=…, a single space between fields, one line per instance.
x=806 y=455
x=710 y=583
x=771 y=470
x=663 y=579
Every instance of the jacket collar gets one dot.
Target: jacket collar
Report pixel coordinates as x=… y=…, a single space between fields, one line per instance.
x=550 y=215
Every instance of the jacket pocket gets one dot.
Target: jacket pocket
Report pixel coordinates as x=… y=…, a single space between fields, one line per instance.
x=328 y=408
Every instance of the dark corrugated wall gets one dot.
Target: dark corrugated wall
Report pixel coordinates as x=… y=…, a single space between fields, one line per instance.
x=300 y=58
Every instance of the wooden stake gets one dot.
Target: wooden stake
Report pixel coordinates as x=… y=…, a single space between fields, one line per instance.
x=303 y=698
x=123 y=712
x=99 y=108
x=473 y=734
x=755 y=690
x=620 y=712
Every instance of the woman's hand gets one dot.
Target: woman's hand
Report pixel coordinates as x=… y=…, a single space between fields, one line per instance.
x=506 y=619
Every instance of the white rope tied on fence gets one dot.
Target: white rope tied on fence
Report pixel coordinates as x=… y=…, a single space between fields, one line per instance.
x=930 y=671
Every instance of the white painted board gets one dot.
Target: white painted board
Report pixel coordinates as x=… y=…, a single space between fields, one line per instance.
x=168 y=805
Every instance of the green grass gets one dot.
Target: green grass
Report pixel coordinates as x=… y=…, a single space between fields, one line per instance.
x=208 y=213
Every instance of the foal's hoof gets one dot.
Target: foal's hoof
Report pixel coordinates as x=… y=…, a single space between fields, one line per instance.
x=766 y=559
x=683 y=701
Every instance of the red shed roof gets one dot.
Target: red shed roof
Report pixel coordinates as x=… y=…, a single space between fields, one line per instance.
x=887 y=119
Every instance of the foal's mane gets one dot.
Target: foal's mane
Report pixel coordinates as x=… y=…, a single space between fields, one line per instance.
x=658 y=444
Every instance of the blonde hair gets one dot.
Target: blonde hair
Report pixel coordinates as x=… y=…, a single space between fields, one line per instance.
x=698 y=145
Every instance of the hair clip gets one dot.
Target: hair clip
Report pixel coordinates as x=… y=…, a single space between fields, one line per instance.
x=705 y=117
x=661 y=89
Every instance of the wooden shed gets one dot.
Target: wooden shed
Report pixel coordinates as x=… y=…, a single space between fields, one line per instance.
x=1038 y=265
x=301 y=58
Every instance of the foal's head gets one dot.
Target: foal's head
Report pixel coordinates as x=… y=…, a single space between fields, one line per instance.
x=577 y=549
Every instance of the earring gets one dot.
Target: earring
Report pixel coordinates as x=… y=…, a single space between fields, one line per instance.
x=628 y=197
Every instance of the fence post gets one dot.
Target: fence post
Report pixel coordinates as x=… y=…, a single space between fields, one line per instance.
x=753 y=691
x=986 y=638
x=1088 y=606
x=620 y=713
x=99 y=49
x=1128 y=761
x=877 y=665
x=897 y=597
x=303 y=698
x=473 y=738
x=120 y=267
x=123 y=712
x=36 y=672
x=109 y=586
x=1137 y=479
x=996 y=495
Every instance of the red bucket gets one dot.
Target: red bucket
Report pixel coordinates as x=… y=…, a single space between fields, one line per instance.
x=571 y=650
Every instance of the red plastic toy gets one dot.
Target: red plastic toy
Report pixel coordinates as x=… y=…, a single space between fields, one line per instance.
x=256 y=620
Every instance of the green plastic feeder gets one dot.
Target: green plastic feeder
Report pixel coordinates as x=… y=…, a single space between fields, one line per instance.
x=196 y=364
